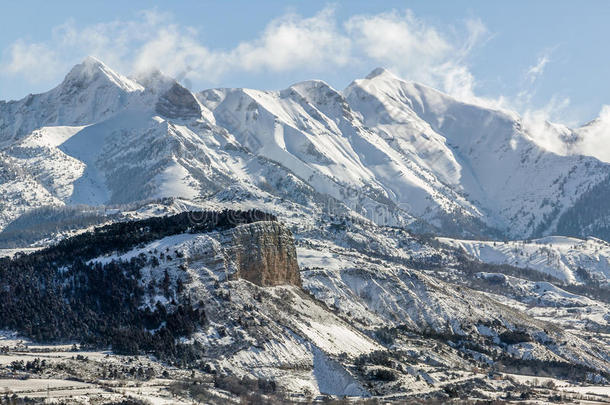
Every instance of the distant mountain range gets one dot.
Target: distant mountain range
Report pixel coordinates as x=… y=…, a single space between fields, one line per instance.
x=393 y=151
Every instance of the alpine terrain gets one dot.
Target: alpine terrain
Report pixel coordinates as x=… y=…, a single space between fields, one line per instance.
x=385 y=242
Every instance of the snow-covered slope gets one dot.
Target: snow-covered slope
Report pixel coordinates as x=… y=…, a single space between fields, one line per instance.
x=393 y=151
x=558 y=256
x=484 y=154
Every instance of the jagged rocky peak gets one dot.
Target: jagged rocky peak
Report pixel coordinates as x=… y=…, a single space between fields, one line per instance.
x=313 y=86
x=178 y=102
x=175 y=101
x=317 y=92
x=265 y=254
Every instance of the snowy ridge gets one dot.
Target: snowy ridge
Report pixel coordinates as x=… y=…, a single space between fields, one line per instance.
x=560 y=257
x=390 y=150
x=484 y=154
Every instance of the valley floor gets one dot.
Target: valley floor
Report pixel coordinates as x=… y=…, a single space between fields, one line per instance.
x=65 y=374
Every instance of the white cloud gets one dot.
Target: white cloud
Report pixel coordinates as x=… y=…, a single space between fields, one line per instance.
x=294 y=41
x=591 y=139
x=36 y=62
x=594 y=138
x=399 y=40
x=541 y=122
x=153 y=40
x=287 y=43
x=538 y=124
x=523 y=100
x=418 y=51
x=113 y=42
x=176 y=53
x=477 y=35
x=533 y=72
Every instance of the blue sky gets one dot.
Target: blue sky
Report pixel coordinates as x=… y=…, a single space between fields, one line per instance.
x=537 y=57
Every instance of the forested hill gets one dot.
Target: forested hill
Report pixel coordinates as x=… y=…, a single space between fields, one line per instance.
x=59 y=294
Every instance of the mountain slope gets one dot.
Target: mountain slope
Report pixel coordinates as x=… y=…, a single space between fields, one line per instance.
x=485 y=154
x=395 y=152
x=568 y=259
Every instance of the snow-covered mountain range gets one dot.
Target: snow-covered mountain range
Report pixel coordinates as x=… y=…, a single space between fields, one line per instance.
x=393 y=151
x=361 y=178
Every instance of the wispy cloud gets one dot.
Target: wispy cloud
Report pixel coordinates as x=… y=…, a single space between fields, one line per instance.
x=593 y=139
x=398 y=40
x=33 y=61
x=538 y=123
x=541 y=122
x=287 y=43
x=414 y=49
x=409 y=46
x=533 y=72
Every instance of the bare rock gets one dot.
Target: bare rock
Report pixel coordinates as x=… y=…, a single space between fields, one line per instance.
x=178 y=102
x=265 y=254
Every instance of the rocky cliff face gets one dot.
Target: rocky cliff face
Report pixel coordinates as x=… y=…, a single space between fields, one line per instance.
x=178 y=102
x=265 y=254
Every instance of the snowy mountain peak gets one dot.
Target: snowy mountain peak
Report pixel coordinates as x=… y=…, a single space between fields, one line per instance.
x=380 y=72
x=315 y=90
x=404 y=146
x=312 y=84
x=92 y=61
x=92 y=70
